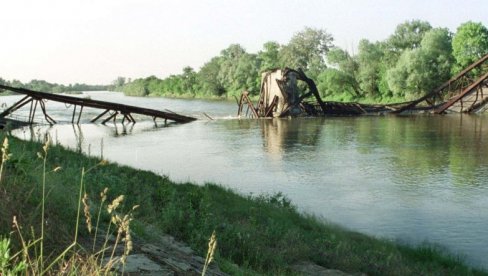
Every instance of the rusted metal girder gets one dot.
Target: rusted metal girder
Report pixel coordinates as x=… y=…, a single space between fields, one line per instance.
x=25 y=100
x=246 y=100
x=313 y=89
x=32 y=111
x=107 y=106
x=269 y=110
x=457 y=84
x=470 y=99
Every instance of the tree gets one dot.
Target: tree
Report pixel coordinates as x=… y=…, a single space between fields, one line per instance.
x=420 y=70
x=174 y=85
x=189 y=80
x=343 y=60
x=137 y=87
x=119 y=82
x=238 y=70
x=229 y=61
x=269 y=56
x=39 y=85
x=437 y=48
x=208 y=78
x=153 y=85
x=245 y=75
x=370 y=66
x=307 y=50
x=407 y=35
x=469 y=44
x=348 y=67
x=335 y=84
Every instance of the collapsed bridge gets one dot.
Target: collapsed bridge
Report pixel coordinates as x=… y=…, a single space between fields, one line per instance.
x=281 y=95
x=110 y=110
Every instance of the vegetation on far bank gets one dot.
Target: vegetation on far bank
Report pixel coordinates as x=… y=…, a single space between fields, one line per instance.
x=256 y=234
x=408 y=64
x=44 y=86
x=412 y=61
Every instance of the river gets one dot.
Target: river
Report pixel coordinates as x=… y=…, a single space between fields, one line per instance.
x=410 y=179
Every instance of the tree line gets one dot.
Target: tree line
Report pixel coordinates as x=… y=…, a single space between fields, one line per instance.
x=44 y=86
x=409 y=63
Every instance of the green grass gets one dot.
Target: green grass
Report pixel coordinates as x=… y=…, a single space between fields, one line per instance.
x=256 y=235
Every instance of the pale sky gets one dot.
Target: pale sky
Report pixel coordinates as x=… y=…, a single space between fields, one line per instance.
x=94 y=41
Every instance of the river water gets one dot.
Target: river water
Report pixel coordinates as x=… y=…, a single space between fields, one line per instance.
x=410 y=179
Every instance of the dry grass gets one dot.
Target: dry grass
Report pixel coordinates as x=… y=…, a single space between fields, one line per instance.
x=212 y=245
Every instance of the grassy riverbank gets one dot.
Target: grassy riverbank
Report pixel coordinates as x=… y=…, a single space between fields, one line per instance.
x=256 y=235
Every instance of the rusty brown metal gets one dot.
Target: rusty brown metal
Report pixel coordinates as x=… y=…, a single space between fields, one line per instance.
x=269 y=110
x=107 y=106
x=313 y=89
x=245 y=100
x=474 y=87
x=25 y=100
x=453 y=86
x=100 y=116
x=48 y=118
x=281 y=97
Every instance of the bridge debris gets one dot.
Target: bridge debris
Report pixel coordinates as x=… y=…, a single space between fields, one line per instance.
x=466 y=92
x=35 y=98
x=282 y=95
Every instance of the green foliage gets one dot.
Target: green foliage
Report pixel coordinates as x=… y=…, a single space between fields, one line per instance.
x=238 y=70
x=208 y=78
x=348 y=67
x=420 y=70
x=407 y=36
x=228 y=65
x=44 y=86
x=189 y=79
x=469 y=44
x=343 y=60
x=307 y=50
x=269 y=56
x=136 y=88
x=245 y=75
x=408 y=64
x=119 y=82
x=334 y=84
x=7 y=266
x=370 y=66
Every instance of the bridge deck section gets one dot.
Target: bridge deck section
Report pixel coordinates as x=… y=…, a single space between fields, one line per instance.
x=110 y=109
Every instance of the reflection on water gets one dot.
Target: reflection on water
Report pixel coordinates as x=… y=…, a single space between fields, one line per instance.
x=86 y=138
x=413 y=179
x=284 y=135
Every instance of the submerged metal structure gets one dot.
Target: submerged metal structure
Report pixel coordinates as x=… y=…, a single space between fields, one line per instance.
x=282 y=95
x=110 y=110
x=288 y=92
